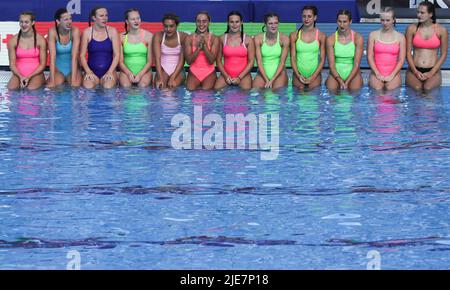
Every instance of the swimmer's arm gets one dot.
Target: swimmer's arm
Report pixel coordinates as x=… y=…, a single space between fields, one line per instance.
x=293 y=40
x=323 y=45
x=123 y=68
x=52 y=52
x=75 y=50
x=12 y=56
x=401 y=56
x=42 y=56
x=331 y=57
x=258 y=43
x=188 y=54
x=211 y=54
x=444 y=50
x=116 y=51
x=83 y=51
x=180 y=65
x=219 y=62
x=148 y=66
x=359 y=43
x=370 y=53
x=157 y=53
x=409 y=47
x=285 y=46
x=250 y=57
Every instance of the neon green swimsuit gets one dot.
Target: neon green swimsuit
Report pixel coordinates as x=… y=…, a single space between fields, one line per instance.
x=307 y=55
x=344 y=55
x=271 y=55
x=135 y=54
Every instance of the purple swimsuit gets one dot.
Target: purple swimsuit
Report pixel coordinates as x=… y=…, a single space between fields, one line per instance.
x=100 y=55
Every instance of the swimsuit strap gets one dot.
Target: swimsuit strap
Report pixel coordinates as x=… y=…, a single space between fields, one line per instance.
x=142 y=36
x=353 y=36
x=164 y=38
x=126 y=39
x=264 y=38
x=225 y=39
x=59 y=39
x=300 y=34
x=243 y=40
x=92 y=33
x=178 y=36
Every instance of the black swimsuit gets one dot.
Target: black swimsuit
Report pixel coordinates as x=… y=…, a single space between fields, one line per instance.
x=424 y=69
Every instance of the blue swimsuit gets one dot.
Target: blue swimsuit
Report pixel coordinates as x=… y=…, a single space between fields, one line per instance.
x=100 y=55
x=64 y=56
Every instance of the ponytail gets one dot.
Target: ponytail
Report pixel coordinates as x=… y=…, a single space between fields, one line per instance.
x=430 y=9
x=32 y=19
x=237 y=13
x=127 y=13
x=57 y=16
x=35 y=38
x=94 y=13
x=314 y=11
x=266 y=19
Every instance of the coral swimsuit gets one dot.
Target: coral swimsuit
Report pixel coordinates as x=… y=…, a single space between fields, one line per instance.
x=235 y=58
x=201 y=68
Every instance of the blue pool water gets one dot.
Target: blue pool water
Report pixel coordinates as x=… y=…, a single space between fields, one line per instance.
x=95 y=172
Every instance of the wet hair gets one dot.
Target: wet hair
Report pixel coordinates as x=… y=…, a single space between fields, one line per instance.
x=344 y=12
x=430 y=9
x=33 y=18
x=204 y=13
x=389 y=9
x=127 y=13
x=171 y=16
x=314 y=11
x=266 y=18
x=57 y=16
x=94 y=13
x=237 y=13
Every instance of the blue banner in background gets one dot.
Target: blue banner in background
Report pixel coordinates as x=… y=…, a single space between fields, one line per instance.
x=406 y=9
x=152 y=11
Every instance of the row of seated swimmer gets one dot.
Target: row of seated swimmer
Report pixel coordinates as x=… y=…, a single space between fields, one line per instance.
x=234 y=53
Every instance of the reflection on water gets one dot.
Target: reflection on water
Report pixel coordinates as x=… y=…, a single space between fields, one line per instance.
x=345 y=136
x=386 y=116
x=82 y=164
x=306 y=122
x=235 y=101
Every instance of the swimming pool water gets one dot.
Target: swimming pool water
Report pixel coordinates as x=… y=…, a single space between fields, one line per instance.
x=94 y=171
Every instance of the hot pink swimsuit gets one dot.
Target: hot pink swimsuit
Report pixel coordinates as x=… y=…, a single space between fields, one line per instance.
x=386 y=56
x=235 y=58
x=170 y=55
x=27 y=60
x=433 y=43
x=201 y=68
